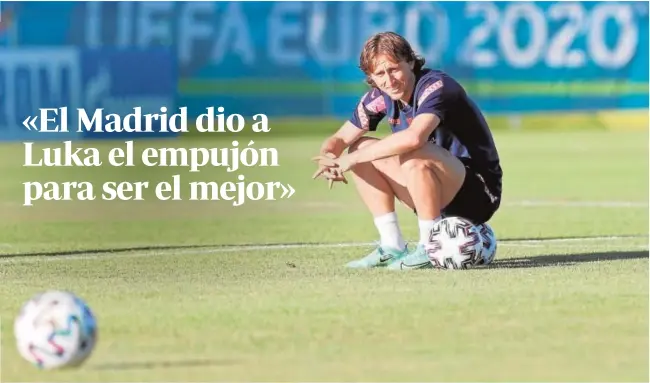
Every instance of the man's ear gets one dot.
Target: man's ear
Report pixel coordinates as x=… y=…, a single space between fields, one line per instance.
x=412 y=65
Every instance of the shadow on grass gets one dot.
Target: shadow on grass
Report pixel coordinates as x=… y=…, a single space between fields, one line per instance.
x=249 y=246
x=566 y=259
x=148 y=365
x=108 y=251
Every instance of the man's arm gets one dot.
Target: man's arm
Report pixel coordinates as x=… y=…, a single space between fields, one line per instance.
x=399 y=143
x=333 y=146
x=370 y=110
x=342 y=139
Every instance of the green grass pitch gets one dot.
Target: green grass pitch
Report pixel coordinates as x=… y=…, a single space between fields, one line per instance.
x=174 y=304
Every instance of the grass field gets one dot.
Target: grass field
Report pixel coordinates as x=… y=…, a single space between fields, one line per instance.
x=566 y=299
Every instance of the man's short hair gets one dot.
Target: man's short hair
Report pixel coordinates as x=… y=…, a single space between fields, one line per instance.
x=392 y=45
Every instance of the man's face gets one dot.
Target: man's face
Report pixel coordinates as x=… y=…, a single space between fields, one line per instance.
x=393 y=78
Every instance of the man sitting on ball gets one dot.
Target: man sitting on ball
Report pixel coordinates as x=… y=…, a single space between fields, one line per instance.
x=439 y=160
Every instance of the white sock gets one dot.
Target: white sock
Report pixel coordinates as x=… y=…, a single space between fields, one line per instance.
x=389 y=232
x=425 y=229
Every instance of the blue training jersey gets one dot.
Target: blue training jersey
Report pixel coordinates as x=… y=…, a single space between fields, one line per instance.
x=463 y=130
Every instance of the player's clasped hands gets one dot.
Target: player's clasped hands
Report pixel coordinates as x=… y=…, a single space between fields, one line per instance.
x=330 y=168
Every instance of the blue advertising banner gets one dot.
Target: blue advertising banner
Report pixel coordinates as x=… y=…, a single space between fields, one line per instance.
x=116 y=80
x=119 y=80
x=301 y=58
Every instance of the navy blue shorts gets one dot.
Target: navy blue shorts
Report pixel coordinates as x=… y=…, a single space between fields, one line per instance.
x=474 y=201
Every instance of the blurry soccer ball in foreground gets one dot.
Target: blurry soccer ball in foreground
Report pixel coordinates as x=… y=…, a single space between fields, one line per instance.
x=456 y=243
x=55 y=329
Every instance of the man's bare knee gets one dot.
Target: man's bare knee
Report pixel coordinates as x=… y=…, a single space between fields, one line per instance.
x=415 y=164
x=426 y=158
x=381 y=165
x=448 y=169
x=417 y=160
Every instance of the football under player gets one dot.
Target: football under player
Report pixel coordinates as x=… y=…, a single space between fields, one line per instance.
x=440 y=160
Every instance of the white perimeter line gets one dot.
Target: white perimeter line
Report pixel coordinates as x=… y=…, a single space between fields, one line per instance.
x=231 y=248
x=603 y=204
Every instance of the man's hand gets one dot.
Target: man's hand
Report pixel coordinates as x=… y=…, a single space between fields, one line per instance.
x=329 y=170
x=343 y=163
x=332 y=148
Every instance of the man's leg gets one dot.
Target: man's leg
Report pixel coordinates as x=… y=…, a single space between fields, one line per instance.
x=376 y=185
x=433 y=177
x=426 y=180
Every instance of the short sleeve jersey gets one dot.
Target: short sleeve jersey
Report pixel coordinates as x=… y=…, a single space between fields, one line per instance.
x=463 y=129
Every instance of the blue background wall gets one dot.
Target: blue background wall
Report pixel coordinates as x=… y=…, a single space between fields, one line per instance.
x=301 y=58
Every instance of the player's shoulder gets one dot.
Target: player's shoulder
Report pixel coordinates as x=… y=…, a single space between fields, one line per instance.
x=432 y=80
x=429 y=78
x=428 y=75
x=375 y=101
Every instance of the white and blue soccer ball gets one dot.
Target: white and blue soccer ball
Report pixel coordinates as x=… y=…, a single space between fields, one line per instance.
x=489 y=240
x=55 y=329
x=456 y=243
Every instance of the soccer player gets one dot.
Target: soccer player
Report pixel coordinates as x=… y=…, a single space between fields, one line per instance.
x=440 y=159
